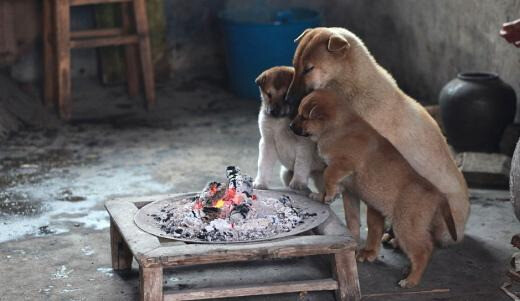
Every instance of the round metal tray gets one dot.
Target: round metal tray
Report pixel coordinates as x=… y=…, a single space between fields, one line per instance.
x=144 y=220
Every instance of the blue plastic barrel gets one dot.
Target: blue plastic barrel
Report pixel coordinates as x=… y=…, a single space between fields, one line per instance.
x=255 y=45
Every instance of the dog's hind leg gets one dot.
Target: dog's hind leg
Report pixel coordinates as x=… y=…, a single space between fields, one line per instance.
x=376 y=225
x=417 y=244
x=352 y=215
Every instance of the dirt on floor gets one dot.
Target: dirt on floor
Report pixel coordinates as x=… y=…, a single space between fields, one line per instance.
x=54 y=241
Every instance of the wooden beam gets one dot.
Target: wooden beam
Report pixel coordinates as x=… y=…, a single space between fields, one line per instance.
x=96 y=33
x=145 y=51
x=136 y=239
x=102 y=42
x=62 y=28
x=253 y=290
x=131 y=55
x=345 y=272
x=294 y=246
x=49 y=59
x=90 y=2
x=150 y=284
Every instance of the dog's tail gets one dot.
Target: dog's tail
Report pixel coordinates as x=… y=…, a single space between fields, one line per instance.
x=448 y=217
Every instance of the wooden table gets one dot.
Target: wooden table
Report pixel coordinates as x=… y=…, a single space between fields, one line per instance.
x=154 y=255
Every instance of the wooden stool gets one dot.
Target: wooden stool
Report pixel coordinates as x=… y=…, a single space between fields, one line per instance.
x=154 y=254
x=59 y=40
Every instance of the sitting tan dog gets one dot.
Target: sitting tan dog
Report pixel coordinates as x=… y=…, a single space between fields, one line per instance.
x=297 y=155
x=336 y=59
x=366 y=164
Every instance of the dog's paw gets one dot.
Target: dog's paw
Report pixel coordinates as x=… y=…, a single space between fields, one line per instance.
x=259 y=185
x=327 y=199
x=407 y=283
x=366 y=255
x=299 y=186
x=315 y=196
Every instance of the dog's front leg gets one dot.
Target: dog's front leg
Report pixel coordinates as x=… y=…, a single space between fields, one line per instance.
x=333 y=175
x=267 y=157
x=352 y=215
x=302 y=169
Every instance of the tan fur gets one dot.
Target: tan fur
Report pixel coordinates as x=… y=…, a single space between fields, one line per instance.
x=367 y=165
x=372 y=93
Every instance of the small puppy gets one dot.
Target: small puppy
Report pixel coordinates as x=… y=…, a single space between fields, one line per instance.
x=297 y=155
x=366 y=164
x=336 y=59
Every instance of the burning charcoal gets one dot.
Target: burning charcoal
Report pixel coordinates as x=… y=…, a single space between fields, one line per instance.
x=211 y=213
x=241 y=183
x=212 y=192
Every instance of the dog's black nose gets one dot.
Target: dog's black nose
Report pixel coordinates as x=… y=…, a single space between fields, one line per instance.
x=291 y=126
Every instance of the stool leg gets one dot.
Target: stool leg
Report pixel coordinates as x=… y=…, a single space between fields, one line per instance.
x=141 y=23
x=151 y=284
x=62 y=26
x=121 y=254
x=345 y=271
x=49 y=63
x=131 y=58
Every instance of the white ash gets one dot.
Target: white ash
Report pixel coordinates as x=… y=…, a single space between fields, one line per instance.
x=266 y=217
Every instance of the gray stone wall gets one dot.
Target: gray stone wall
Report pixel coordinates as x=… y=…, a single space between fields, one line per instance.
x=425 y=43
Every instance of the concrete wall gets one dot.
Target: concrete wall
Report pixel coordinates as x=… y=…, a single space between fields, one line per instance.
x=425 y=43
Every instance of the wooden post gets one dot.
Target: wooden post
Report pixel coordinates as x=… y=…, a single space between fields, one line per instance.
x=345 y=272
x=49 y=62
x=150 y=284
x=131 y=58
x=141 y=23
x=121 y=254
x=62 y=29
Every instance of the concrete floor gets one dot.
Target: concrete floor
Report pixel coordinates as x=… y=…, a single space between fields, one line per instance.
x=54 y=241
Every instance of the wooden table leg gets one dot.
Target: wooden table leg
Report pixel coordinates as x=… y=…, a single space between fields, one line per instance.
x=49 y=62
x=151 y=284
x=121 y=254
x=131 y=57
x=345 y=271
x=145 y=52
x=62 y=27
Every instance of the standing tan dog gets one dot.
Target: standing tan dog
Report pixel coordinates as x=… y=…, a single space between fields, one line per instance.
x=298 y=156
x=365 y=163
x=336 y=59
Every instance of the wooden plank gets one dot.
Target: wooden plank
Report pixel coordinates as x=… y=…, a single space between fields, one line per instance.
x=62 y=28
x=90 y=2
x=96 y=33
x=150 y=284
x=253 y=290
x=295 y=246
x=102 y=42
x=345 y=272
x=137 y=240
x=131 y=57
x=49 y=60
x=121 y=255
x=145 y=52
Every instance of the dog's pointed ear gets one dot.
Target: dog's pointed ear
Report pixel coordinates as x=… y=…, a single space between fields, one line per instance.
x=260 y=80
x=315 y=112
x=337 y=43
x=306 y=31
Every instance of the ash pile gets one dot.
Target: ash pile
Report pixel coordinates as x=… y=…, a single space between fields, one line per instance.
x=229 y=212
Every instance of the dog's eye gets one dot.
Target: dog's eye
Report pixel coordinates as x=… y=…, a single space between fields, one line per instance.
x=308 y=69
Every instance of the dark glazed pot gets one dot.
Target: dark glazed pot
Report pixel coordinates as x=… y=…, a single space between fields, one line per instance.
x=475 y=109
